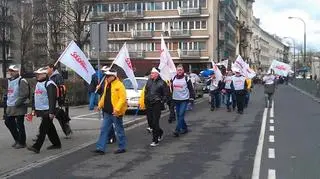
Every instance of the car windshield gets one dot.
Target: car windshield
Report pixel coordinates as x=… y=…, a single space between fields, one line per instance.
x=141 y=83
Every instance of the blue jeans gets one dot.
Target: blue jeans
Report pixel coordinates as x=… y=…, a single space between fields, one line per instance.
x=231 y=98
x=93 y=100
x=181 y=107
x=107 y=122
x=215 y=99
x=247 y=98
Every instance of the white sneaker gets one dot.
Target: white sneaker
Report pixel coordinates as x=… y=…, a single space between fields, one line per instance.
x=153 y=144
x=160 y=138
x=149 y=130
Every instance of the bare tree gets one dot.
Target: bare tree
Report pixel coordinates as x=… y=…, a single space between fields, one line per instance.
x=77 y=17
x=4 y=25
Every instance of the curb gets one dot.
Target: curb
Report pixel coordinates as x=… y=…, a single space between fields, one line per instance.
x=305 y=93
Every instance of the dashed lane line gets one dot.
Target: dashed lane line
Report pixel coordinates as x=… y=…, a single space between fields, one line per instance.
x=271 y=174
x=271 y=138
x=271 y=128
x=271 y=153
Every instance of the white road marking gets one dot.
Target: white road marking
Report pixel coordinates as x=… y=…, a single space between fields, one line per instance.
x=271 y=128
x=257 y=159
x=271 y=138
x=83 y=115
x=272 y=110
x=271 y=174
x=271 y=153
x=271 y=121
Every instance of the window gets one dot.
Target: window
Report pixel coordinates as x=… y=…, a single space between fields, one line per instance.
x=121 y=27
x=203 y=24
x=158 y=26
x=158 y=46
x=203 y=3
x=202 y=46
x=191 y=24
x=175 y=4
x=185 y=24
x=169 y=5
x=158 y=5
x=198 y=24
x=131 y=6
x=150 y=6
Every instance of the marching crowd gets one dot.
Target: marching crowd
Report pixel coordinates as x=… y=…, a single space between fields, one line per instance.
x=48 y=100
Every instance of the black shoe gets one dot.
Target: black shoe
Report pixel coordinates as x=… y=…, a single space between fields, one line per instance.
x=98 y=152
x=20 y=146
x=120 y=151
x=240 y=112
x=176 y=134
x=52 y=147
x=212 y=109
x=33 y=150
x=14 y=145
x=184 y=131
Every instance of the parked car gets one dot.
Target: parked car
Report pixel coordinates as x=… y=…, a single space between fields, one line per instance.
x=132 y=95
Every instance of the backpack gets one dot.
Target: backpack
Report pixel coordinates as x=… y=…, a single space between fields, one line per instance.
x=61 y=93
x=29 y=88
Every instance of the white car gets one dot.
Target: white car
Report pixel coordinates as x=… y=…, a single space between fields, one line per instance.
x=132 y=95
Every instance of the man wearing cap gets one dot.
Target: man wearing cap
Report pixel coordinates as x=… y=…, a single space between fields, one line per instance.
x=155 y=96
x=215 y=90
x=18 y=95
x=113 y=105
x=44 y=106
x=269 y=88
x=229 y=88
x=240 y=87
x=183 y=92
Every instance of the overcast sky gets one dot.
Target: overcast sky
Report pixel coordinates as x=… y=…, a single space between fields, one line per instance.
x=274 y=19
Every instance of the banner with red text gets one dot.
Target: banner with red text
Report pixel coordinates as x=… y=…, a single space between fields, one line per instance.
x=280 y=68
x=74 y=58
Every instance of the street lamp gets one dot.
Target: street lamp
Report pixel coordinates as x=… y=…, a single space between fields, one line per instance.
x=294 y=53
x=304 y=40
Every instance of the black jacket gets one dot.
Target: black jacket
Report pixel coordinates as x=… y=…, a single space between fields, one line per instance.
x=57 y=78
x=156 y=91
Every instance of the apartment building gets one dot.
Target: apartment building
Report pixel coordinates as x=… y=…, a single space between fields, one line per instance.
x=189 y=28
x=227 y=29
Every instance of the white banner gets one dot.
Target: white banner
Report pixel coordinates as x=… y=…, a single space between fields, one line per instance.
x=216 y=70
x=123 y=61
x=74 y=58
x=167 y=67
x=244 y=68
x=280 y=68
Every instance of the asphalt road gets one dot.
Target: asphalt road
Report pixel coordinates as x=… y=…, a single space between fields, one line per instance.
x=220 y=145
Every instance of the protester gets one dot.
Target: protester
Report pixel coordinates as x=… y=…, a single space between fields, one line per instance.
x=215 y=91
x=183 y=92
x=155 y=96
x=18 y=95
x=240 y=86
x=63 y=118
x=269 y=88
x=230 y=93
x=44 y=106
x=170 y=103
x=249 y=88
x=113 y=104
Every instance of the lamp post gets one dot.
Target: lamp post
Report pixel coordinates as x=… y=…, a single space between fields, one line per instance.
x=294 y=53
x=304 y=41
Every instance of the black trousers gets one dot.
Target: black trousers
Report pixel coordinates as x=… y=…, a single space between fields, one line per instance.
x=15 y=124
x=172 y=116
x=240 y=98
x=47 y=128
x=63 y=119
x=153 y=117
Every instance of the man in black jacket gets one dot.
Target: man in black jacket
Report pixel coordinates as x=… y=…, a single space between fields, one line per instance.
x=156 y=93
x=44 y=106
x=62 y=117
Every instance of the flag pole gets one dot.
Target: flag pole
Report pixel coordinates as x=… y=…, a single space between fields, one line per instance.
x=55 y=64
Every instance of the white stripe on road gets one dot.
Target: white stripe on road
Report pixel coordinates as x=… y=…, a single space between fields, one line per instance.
x=271 y=153
x=272 y=110
x=89 y=114
x=271 y=121
x=271 y=128
x=271 y=138
x=271 y=174
x=257 y=159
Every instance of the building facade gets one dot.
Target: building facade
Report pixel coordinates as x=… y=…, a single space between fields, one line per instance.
x=189 y=28
x=227 y=29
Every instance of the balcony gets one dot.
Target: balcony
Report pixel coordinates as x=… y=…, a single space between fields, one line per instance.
x=116 y=15
x=133 y=14
x=180 y=33
x=221 y=36
x=189 y=53
x=142 y=34
x=189 y=11
x=137 y=55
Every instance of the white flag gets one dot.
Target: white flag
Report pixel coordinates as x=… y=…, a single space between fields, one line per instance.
x=74 y=58
x=167 y=67
x=123 y=61
x=216 y=70
x=244 y=68
x=224 y=63
x=280 y=68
